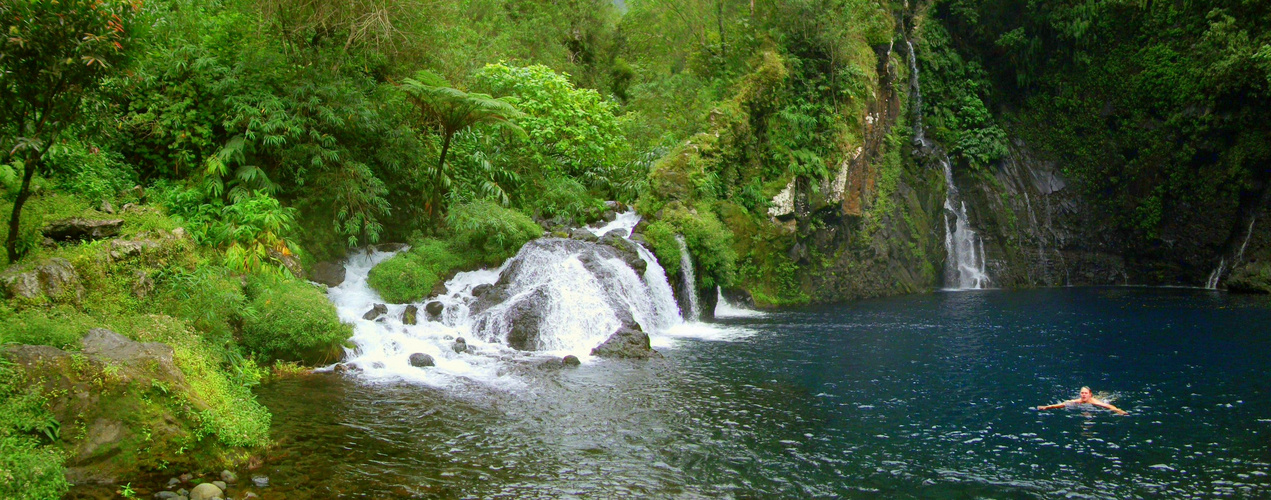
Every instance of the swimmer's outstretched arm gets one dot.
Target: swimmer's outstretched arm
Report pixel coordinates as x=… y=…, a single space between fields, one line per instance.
x=1057 y=406
x=1107 y=406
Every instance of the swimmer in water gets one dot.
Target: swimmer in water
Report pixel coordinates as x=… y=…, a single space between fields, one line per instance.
x=1086 y=397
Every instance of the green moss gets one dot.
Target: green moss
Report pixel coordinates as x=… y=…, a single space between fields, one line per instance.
x=495 y=231
x=288 y=319
x=411 y=275
x=59 y=326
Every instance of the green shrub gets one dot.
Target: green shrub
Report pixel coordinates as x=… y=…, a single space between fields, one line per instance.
x=661 y=237
x=29 y=469
x=210 y=298
x=709 y=242
x=410 y=276
x=486 y=227
x=85 y=171
x=566 y=200
x=61 y=326
x=288 y=319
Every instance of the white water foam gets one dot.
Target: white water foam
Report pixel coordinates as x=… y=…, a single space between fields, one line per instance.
x=579 y=316
x=725 y=309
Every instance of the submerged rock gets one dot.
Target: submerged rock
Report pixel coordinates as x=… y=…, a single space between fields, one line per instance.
x=410 y=314
x=570 y=360
x=375 y=312
x=260 y=481
x=206 y=491
x=629 y=343
x=229 y=477
x=76 y=229
x=421 y=360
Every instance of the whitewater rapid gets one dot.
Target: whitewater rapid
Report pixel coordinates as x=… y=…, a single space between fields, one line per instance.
x=578 y=319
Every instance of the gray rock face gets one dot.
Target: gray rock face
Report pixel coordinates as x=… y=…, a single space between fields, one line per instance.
x=327 y=273
x=409 y=316
x=206 y=491
x=56 y=279
x=479 y=290
x=375 y=312
x=626 y=249
x=526 y=316
x=421 y=360
x=738 y=296
x=77 y=229
x=583 y=235
x=107 y=345
x=626 y=343
x=434 y=308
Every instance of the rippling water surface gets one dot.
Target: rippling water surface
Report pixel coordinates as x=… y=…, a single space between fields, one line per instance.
x=925 y=396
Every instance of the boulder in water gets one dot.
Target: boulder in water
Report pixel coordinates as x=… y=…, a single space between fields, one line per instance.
x=435 y=308
x=328 y=273
x=627 y=343
x=570 y=360
x=479 y=290
x=460 y=345
x=375 y=312
x=421 y=360
x=583 y=234
x=409 y=315
x=626 y=249
x=206 y=491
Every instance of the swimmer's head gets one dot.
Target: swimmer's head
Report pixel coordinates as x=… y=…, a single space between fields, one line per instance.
x=1086 y=394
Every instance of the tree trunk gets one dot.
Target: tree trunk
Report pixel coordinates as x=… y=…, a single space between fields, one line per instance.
x=437 y=190
x=11 y=245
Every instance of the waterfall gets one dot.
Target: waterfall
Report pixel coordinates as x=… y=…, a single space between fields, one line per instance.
x=690 y=283
x=726 y=309
x=965 y=266
x=1216 y=275
x=920 y=137
x=578 y=292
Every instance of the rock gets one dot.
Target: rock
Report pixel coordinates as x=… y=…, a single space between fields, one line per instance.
x=206 y=491
x=166 y=495
x=609 y=216
x=460 y=345
x=260 y=481
x=375 y=312
x=77 y=229
x=173 y=482
x=185 y=478
x=479 y=290
x=134 y=357
x=629 y=343
x=249 y=495
x=638 y=239
x=584 y=235
x=328 y=273
x=434 y=308
x=738 y=297
x=59 y=279
x=229 y=477
x=288 y=261
x=142 y=285
x=409 y=315
x=570 y=360
x=220 y=484
x=525 y=316
x=182 y=493
x=106 y=208
x=21 y=285
x=421 y=360
x=627 y=250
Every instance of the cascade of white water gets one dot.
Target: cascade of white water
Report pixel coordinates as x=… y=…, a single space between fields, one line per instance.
x=965 y=268
x=726 y=309
x=690 y=282
x=1215 y=276
x=919 y=133
x=1248 y=233
x=580 y=297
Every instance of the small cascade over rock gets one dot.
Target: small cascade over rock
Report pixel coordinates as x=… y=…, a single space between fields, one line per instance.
x=965 y=264
x=1215 y=276
x=690 y=282
x=920 y=136
x=556 y=297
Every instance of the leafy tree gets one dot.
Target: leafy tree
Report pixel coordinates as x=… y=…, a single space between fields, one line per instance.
x=54 y=52
x=449 y=111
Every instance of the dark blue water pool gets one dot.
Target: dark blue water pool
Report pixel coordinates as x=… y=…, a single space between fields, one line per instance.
x=926 y=396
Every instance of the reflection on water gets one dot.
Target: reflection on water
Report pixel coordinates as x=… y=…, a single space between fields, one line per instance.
x=921 y=396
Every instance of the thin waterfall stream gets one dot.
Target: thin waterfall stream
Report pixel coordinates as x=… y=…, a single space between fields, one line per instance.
x=965 y=262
